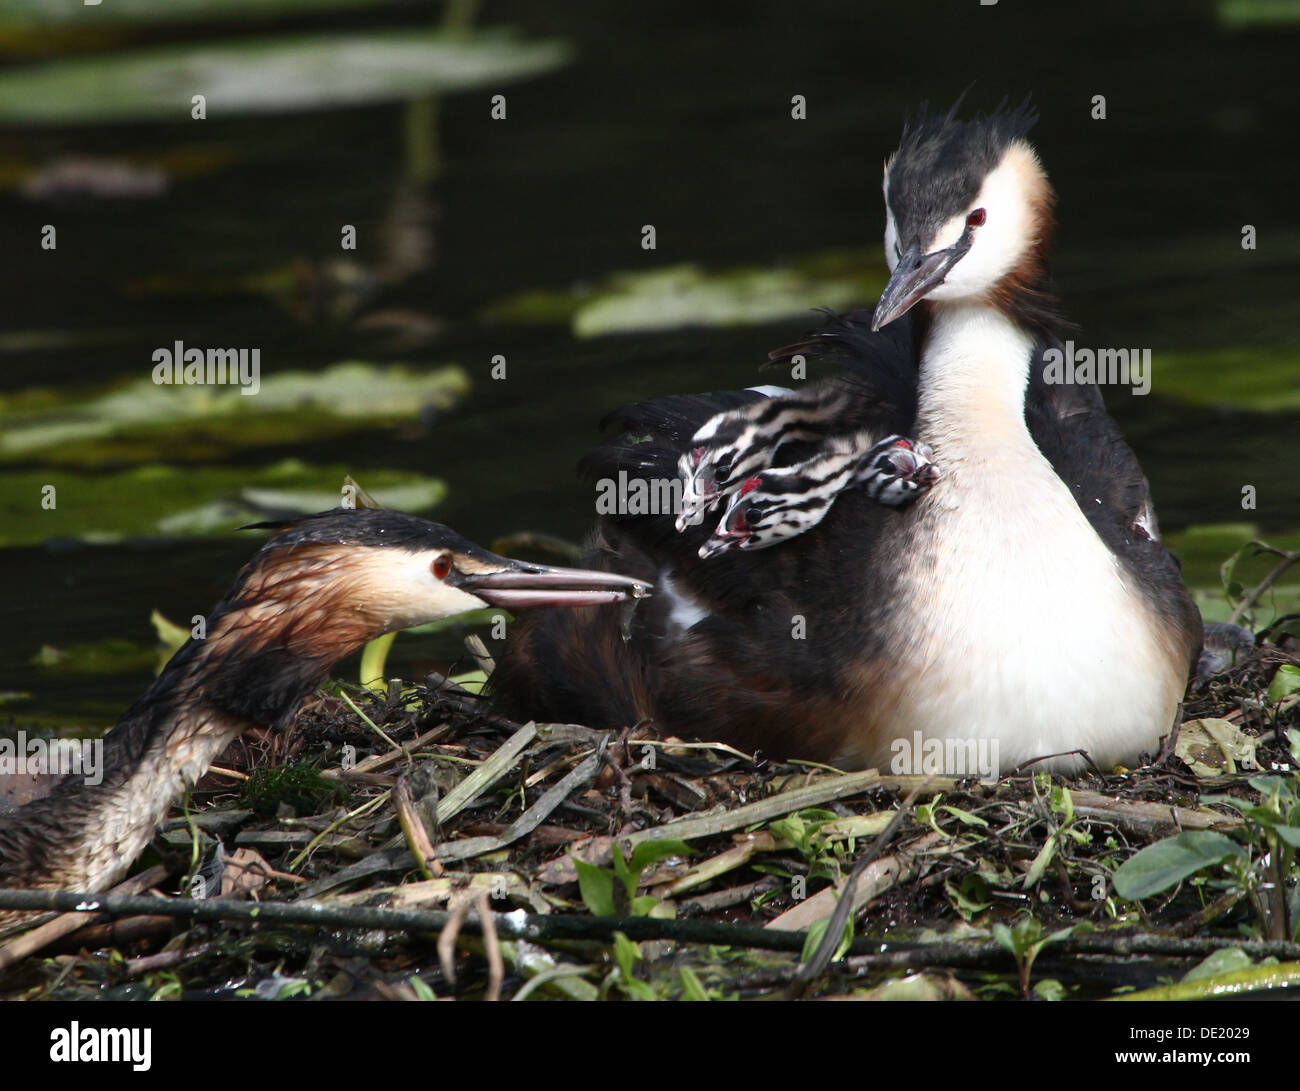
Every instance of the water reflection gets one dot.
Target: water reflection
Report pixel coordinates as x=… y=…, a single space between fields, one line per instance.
x=684 y=124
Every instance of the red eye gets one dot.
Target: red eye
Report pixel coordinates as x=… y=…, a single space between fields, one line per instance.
x=976 y=218
x=442 y=566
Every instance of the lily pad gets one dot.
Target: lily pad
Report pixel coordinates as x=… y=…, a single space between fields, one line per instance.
x=270 y=75
x=70 y=14
x=104 y=657
x=1265 y=378
x=287 y=405
x=1242 y=14
x=686 y=295
x=167 y=501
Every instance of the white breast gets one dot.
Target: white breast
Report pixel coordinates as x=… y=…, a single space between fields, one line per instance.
x=1015 y=623
x=1022 y=628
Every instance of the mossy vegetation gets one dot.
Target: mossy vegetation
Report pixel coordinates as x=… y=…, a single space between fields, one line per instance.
x=297 y=787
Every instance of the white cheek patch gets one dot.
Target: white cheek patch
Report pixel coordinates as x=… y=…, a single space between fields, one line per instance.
x=891 y=225
x=949 y=233
x=891 y=240
x=1010 y=197
x=401 y=589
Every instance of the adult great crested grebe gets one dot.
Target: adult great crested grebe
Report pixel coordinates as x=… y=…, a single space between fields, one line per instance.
x=1025 y=599
x=317 y=590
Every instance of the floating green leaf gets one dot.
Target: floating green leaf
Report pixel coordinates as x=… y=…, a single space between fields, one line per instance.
x=685 y=295
x=1260 y=377
x=111 y=656
x=168 y=501
x=75 y=426
x=270 y=75
x=1243 y=14
x=78 y=14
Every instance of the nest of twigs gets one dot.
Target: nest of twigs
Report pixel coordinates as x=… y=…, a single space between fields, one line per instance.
x=452 y=852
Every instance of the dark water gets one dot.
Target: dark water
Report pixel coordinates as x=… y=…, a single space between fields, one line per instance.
x=675 y=114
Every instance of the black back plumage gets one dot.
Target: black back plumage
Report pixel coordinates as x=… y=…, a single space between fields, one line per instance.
x=1070 y=425
x=1068 y=422
x=587 y=666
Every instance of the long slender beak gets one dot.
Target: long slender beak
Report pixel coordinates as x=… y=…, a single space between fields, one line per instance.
x=915 y=277
x=522 y=585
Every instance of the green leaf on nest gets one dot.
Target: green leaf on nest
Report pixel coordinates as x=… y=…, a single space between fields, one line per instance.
x=1160 y=866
